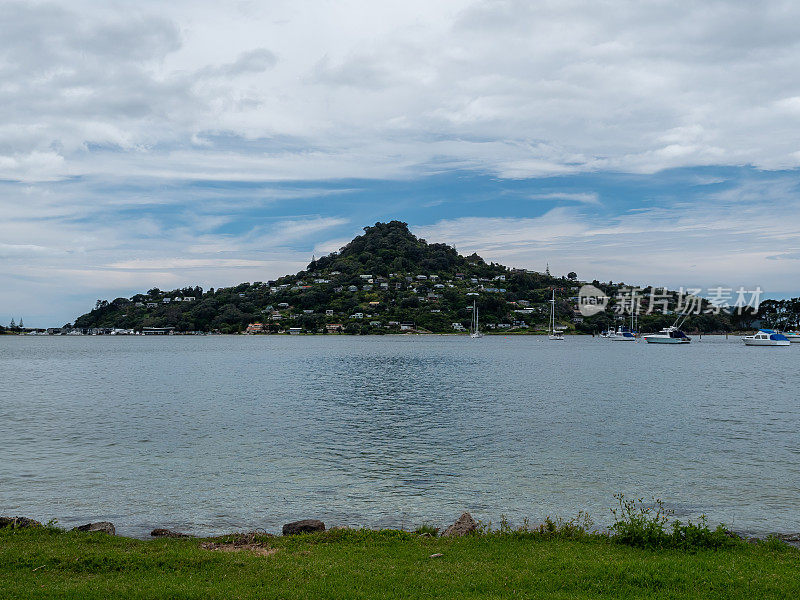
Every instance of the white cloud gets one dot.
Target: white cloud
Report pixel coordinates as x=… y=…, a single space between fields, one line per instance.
x=733 y=237
x=364 y=89
x=581 y=197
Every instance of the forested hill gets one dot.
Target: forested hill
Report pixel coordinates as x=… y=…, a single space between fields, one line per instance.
x=382 y=279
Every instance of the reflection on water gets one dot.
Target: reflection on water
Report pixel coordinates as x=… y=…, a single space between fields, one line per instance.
x=214 y=433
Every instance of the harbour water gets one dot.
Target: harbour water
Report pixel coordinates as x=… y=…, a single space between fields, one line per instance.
x=214 y=434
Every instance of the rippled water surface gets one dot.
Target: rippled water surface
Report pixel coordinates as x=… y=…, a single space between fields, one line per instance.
x=210 y=434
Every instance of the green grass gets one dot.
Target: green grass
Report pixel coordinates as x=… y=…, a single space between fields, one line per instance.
x=49 y=563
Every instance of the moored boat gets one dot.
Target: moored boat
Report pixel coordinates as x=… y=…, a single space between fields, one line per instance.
x=669 y=335
x=474 y=328
x=792 y=336
x=766 y=337
x=623 y=334
x=554 y=335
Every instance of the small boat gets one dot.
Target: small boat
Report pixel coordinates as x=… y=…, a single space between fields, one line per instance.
x=669 y=335
x=474 y=328
x=553 y=335
x=623 y=334
x=626 y=334
x=792 y=336
x=766 y=337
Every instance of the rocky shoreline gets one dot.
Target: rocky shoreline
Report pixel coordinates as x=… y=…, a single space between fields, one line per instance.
x=464 y=525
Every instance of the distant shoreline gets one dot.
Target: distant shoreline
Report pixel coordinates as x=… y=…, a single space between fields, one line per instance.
x=42 y=333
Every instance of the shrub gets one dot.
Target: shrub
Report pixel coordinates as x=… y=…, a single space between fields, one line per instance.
x=645 y=526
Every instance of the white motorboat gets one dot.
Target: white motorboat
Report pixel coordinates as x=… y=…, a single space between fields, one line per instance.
x=766 y=337
x=623 y=334
x=474 y=328
x=554 y=335
x=669 y=335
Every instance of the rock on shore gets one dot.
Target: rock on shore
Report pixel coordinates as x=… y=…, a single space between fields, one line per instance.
x=304 y=526
x=464 y=525
x=103 y=526
x=18 y=522
x=162 y=532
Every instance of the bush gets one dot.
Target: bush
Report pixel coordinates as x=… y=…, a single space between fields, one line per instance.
x=645 y=526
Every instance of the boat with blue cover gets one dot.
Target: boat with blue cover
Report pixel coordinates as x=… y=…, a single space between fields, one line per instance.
x=766 y=337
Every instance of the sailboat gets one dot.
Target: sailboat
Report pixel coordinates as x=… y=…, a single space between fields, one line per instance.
x=553 y=335
x=625 y=334
x=474 y=328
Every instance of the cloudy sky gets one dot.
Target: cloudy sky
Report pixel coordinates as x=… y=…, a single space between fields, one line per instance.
x=164 y=144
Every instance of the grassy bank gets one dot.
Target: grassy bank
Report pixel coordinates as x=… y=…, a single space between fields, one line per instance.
x=46 y=563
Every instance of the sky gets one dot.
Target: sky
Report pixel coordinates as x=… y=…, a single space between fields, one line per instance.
x=210 y=143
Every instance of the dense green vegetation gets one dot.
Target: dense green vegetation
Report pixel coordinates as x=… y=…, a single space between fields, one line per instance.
x=781 y=314
x=49 y=563
x=378 y=281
